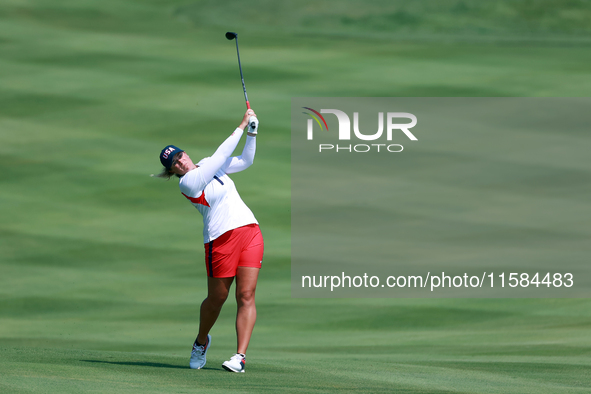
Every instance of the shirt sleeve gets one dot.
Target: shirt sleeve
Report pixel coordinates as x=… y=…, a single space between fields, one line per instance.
x=194 y=181
x=245 y=160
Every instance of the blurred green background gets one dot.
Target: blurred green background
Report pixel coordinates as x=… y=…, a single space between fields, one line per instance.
x=101 y=266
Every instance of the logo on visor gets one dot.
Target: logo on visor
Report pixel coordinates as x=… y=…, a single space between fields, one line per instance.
x=167 y=152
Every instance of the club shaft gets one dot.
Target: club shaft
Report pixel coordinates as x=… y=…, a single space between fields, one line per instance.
x=241 y=76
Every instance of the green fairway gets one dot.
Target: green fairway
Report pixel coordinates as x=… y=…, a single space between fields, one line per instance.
x=101 y=266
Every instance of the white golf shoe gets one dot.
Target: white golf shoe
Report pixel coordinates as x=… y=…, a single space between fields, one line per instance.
x=198 y=354
x=235 y=364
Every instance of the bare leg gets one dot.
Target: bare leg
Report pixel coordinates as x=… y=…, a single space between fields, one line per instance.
x=217 y=292
x=246 y=283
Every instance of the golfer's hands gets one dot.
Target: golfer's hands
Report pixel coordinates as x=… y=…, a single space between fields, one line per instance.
x=246 y=117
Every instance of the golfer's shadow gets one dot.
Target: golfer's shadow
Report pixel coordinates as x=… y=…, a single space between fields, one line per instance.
x=144 y=364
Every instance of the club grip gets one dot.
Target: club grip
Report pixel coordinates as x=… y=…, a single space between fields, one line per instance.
x=247 y=105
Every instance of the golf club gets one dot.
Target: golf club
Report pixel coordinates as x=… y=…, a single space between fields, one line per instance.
x=253 y=120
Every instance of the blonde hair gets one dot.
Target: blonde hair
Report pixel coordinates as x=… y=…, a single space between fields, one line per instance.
x=166 y=173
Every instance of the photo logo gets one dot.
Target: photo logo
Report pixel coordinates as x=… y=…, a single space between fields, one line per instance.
x=345 y=130
x=316 y=119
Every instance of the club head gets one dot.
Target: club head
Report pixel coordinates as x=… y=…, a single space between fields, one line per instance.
x=231 y=35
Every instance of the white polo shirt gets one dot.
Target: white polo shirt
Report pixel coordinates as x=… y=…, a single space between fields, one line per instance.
x=219 y=203
x=214 y=194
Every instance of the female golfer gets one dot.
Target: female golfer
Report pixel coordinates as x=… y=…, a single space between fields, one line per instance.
x=232 y=238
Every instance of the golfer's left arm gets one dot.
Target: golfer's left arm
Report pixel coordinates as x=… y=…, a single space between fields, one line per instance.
x=245 y=160
x=240 y=163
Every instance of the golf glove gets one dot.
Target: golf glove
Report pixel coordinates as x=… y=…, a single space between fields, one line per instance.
x=253 y=125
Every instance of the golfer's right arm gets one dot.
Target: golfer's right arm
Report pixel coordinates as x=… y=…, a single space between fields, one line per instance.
x=196 y=180
x=245 y=160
